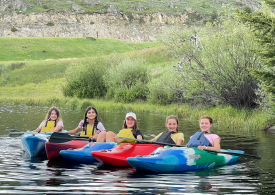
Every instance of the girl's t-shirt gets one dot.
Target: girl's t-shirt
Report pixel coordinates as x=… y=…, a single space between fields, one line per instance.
x=174 y=136
x=99 y=128
x=211 y=137
x=58 y=123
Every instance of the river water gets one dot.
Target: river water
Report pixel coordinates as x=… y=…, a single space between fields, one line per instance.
x=21 y=175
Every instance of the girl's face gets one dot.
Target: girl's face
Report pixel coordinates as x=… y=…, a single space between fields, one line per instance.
x=172 y=125
x=130 y=122
x=53 y=115
x=91 y=114
x=205 y=125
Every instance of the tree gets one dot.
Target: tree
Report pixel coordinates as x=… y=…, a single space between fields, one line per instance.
x=262 y=24
x=214 y=64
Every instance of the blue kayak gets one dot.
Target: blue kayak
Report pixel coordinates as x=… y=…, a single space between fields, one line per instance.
x=182 y=159
x=34 y=143
x=83 y=155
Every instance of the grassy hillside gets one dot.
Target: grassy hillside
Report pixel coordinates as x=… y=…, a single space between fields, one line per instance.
x=26 y=61
x=17 y=49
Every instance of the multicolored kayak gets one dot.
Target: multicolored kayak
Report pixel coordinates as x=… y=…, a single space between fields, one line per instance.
x=182 y=159
x=118 y=155
x=34 y=143
x=83 y=155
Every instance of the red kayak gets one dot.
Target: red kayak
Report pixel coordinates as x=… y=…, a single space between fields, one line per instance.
x=53 y=149
x=119 y=154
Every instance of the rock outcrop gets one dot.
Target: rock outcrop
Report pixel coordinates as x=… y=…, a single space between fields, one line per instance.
x=137 y=28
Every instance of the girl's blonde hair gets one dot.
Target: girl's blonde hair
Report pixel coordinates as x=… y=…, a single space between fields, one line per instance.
x=47 y=118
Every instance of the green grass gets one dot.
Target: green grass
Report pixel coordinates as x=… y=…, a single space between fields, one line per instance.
x=25 y=49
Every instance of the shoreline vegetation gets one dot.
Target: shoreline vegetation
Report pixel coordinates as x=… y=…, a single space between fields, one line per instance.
x=35 y=79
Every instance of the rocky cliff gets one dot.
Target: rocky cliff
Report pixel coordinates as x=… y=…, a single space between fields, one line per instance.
x=16 y=21
x=62 y=24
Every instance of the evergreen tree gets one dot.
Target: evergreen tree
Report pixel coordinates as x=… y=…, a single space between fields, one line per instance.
x=262 y=24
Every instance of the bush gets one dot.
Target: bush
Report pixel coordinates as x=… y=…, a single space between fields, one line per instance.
x=13 y=29
x=162 y=88
x=50 y=24
x=85 y=79
x=127 y=81
x=214 y=66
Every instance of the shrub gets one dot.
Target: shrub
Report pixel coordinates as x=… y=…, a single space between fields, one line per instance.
x=85 y=79
x=162 y=88
x=13 y=29
x=214 y=65
x=50 y=24
x=127 y=81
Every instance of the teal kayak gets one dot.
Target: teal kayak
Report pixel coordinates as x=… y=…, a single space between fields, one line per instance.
x=34 y=143
x=182 y=159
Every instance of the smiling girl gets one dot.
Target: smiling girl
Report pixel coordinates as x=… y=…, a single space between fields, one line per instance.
x=172 y=136
x=51 y=123
x=89 y=126
x=130 y=130
x=205 y=139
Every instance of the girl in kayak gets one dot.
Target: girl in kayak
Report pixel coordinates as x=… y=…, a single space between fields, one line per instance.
x=130 y=130
x=52 y=122
x=172 y=136
x=89 y=126
x=205 y=139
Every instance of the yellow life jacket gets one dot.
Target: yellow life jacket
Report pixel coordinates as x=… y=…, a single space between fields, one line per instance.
x=88 y=132
x=49 y=126
x=126 y=133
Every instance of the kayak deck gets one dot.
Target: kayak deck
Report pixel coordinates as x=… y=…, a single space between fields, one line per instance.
x=181 y=159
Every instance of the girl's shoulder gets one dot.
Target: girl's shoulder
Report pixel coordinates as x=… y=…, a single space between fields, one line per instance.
x=213 y=136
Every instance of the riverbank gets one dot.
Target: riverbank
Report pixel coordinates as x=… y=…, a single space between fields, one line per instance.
x=224 y=116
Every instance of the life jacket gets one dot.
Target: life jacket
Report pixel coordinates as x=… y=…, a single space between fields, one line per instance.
x=88 y=130
x=126 y=133
x=165 y=137
x=198 y=139
x=49 y=126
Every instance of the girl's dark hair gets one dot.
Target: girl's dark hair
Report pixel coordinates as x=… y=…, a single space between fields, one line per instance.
x=47 y=118
x=173 y=117
x=135 y=127
x=86 y=118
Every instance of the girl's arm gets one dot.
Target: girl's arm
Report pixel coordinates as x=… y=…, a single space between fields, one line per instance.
x=57 y=128
x=139 y=137
x=216 y=146
x=179 y=142
x=153 y=140
x=76 y=130
x=37 y=130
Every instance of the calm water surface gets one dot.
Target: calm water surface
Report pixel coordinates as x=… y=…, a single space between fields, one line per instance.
x=21 y=175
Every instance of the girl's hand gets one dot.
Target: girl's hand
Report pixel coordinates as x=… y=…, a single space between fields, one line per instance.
x=202 y=147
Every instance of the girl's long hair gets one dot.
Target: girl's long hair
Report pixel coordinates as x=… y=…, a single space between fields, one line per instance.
x=47 y=118
x=86 y=121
